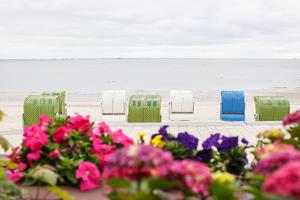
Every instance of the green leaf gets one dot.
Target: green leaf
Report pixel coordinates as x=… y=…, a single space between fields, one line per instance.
x=118 y=183
x=10 y=188
x=8 y=163
x=161 y=184
x=221 y=191
x=44 y=174
x=4 y=143
x=71 y=177
x=64 y=195
x=28 y=181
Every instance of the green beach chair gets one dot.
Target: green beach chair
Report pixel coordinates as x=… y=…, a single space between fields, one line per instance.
x=35 y=105
x=48 y=103
x=152 y=109
x=143 y=108
x=271 y=108
x=62 y=97
x=136 y=108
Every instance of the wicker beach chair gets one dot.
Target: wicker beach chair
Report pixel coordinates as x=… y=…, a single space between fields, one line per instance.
x=35 y=105
x=271 y=108
x=152 y=109
x=143 y=108
x=113 y=102
x=136 y=108
x=49 y=103
x=181 y=106
x=62 y=97
x=232 y=106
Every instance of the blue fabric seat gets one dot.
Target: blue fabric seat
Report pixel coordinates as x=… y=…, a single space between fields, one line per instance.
x=232 y=106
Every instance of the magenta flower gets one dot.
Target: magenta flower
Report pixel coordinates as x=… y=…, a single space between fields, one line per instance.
x=33 y=156
x=54 y=154
x=104 y=128
x=119 y=137
x=89 y=175
x=80 y=123
x=15 y=176
x=138 y=161
x=293 y=118
x=35 y=138
x=195 y=175
x=44 y=122
x=101 y=150
x=275 y=161
x=60 y=134
x=285 y=181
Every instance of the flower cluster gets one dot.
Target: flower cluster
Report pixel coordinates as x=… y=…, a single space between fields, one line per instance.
x=217 y=149
x=183 y=146
x=276 y=160
x=195 y=175
x=73 y=146
x=285 y=181
x=139 y=162
x=293 y=118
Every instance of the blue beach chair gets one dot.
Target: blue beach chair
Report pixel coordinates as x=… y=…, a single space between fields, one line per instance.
x=232 y=106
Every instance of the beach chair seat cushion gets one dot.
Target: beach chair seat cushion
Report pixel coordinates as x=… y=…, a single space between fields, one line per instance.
x=233 y=117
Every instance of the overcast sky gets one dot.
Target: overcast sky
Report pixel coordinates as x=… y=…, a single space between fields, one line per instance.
x=149 y=28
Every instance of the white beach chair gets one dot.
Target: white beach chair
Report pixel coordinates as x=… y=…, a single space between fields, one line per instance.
x=181 y=106
x=113 y=102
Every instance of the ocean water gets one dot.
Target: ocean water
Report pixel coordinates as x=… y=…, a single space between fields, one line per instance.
x=95 y=75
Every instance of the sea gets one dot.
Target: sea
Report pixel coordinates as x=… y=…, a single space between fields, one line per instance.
x=91 y=76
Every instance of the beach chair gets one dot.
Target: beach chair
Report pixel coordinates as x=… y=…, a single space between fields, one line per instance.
x=271 y=108
x=136 y=108
x=62 y=97
x=35 y=105
x=143 y=108
x=152 y=109
x=181 y=105
x=113 y=102
x=232 y=106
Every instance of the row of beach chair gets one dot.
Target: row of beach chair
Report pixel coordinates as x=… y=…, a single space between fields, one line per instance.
x=147 y=108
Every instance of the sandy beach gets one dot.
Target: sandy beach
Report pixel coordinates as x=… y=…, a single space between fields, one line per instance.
x=205 y=120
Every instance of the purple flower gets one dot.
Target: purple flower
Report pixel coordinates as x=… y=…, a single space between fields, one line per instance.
x=244 y=141
x=189 y=141
x=203 y=155
x=227 y=143
x=162 y=131
x=213 y=140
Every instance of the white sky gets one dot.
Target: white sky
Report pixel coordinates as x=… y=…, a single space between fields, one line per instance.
x=149 y=28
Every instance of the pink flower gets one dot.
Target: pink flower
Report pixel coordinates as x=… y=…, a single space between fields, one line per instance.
x=33 y=156
x=54 y=154
x=15 y=176
x=60 y=133
x=195 y=175
x=104 y=128
x=285 y=181
x=15 y=155
x=44 y=122
x=269 y=149
x=119 y=137
x=22 y=166
x=89 y=175
x=275 y=161
x=35 y=138
x=293 y=118
x=80 y=123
